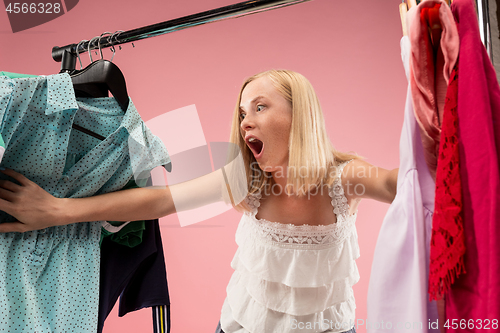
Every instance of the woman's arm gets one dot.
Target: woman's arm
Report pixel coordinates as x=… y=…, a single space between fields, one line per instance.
x=36 y=209
x=363 y=180
x=127 y=205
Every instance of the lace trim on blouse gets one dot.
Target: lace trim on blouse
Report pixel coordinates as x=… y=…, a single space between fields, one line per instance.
x=334 y=233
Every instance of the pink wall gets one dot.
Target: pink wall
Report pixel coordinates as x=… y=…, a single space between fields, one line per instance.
x=349 y=50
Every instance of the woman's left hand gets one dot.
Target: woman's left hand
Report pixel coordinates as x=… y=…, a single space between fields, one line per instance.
x=33 y=207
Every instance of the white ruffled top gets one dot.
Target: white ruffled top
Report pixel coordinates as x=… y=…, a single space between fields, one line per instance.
x=292 y=278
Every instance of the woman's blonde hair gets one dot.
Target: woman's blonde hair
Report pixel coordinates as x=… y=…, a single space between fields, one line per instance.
x=310 y=149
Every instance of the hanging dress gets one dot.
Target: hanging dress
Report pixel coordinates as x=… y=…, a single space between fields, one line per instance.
x=49 y=278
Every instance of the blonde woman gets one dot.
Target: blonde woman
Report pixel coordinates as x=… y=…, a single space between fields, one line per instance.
x=297 y=241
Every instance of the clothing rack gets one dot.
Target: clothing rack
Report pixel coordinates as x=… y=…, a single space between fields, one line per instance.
x=68 y=54
x=483 y=18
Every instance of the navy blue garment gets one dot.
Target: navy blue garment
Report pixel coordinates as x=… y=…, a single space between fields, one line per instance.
x=137 y=275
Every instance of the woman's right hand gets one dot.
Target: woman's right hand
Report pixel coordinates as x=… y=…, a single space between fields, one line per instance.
x=33 y=207
x=37 y=209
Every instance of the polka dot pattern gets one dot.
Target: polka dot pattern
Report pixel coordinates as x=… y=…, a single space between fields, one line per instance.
x=49 y=279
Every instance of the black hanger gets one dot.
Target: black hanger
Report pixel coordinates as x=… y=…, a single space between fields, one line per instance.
x=96 y=80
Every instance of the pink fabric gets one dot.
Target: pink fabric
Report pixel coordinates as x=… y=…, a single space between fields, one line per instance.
x=475 y=295
x=397 y=292
x=430 y=73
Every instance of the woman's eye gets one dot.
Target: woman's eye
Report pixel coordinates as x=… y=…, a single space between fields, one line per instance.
x=242 y=116
x=260 y=107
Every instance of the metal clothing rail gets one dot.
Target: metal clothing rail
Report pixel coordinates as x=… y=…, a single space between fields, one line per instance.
x=67 y=54
x=483 y=18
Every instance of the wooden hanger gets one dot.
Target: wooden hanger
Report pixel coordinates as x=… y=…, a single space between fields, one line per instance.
x=403 y=9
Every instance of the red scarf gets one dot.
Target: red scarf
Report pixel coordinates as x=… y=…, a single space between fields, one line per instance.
x=447 y=242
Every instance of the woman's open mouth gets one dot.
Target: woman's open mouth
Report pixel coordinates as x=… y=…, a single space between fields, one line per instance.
x=256 y=146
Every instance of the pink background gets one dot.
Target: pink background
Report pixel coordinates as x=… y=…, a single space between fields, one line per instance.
x=349 y=50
